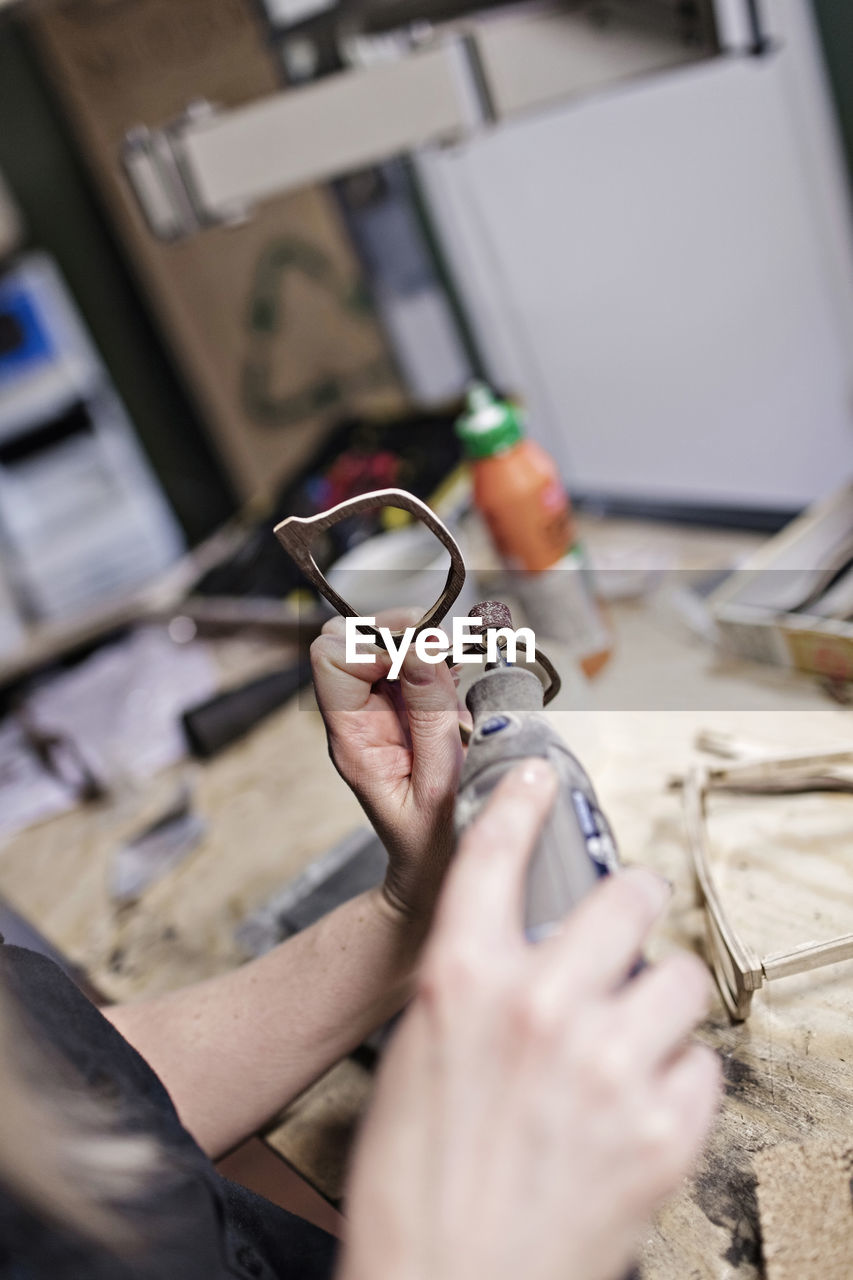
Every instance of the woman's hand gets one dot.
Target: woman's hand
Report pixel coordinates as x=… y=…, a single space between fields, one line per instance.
x=397 y=745
x=535 y=1106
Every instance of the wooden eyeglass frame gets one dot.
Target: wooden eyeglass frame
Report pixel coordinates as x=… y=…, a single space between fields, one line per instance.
x=738 y=969
x=296 y=534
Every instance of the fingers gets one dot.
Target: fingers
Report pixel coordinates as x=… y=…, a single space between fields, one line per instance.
x=693 y=1080
x=428 y=691
x=482 y=897
x=432 y=710
x=660 y=1008
x=339 y=685
x=603 y=938
x=428 y=694
x=346 y=686
x=690 y=1092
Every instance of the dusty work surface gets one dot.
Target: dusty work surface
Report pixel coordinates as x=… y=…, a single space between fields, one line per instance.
x=274 y=802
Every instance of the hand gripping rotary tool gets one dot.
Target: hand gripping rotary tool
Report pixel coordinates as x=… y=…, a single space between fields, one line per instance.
x=576 y=847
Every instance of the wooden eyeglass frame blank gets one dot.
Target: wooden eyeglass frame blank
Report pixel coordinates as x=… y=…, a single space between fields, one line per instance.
x=738 y=969
x=296 y=534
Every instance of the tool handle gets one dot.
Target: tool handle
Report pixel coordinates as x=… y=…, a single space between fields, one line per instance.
x=572 y=854
x=576 y=847
x=213 y=725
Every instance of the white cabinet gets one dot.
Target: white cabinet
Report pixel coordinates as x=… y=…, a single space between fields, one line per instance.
x=663 y=271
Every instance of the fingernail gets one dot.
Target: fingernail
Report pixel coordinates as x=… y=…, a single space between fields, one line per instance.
x=417 y=672
x=536 y=772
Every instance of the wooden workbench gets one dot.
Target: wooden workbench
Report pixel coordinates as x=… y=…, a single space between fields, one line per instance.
x=274 y=802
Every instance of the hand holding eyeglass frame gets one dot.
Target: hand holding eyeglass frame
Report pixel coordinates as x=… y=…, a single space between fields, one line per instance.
x=576 y=847
x=297 y=535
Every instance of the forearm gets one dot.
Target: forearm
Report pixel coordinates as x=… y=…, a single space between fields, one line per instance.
x=234 y=1050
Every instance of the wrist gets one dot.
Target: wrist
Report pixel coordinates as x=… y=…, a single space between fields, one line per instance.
x=411 y=905
x=414 y=879
x=407 y=926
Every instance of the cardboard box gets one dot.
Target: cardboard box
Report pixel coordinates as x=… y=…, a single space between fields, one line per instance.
x=269 y=320
x=753 y=610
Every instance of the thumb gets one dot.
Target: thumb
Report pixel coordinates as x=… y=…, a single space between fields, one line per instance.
x=430 y=699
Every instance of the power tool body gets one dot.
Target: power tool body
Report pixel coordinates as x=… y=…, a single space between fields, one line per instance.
x=576 y=847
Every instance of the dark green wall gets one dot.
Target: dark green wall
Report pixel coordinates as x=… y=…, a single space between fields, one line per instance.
x=835 y=21
x=63 y=216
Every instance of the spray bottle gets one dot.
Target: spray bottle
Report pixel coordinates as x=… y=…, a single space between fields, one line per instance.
x=519 y=493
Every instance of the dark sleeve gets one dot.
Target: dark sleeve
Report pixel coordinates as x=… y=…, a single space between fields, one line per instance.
x=200 y=1226
x=74 y=1031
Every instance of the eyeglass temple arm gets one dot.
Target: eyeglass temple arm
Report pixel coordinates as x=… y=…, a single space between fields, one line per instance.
x=811 y=955
x=750 y=758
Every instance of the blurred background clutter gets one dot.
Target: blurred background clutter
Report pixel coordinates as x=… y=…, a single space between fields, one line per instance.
x=229 y=228
x=260 y=256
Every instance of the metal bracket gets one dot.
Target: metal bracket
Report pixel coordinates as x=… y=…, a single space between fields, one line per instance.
x=211 y=166
x=158 y=169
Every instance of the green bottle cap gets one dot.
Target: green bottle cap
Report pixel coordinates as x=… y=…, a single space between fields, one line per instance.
x=490 y=425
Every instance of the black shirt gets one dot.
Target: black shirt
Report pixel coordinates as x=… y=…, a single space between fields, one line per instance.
x=199 y=1225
